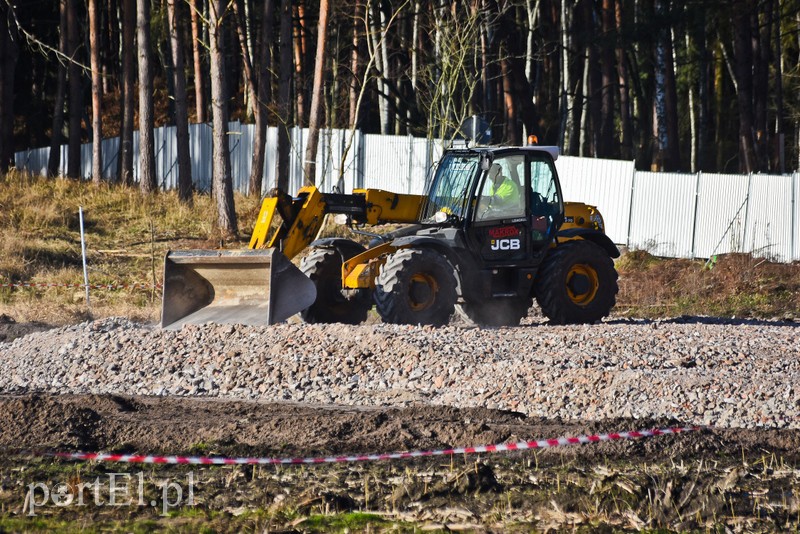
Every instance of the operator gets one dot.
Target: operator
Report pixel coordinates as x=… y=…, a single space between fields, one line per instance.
x=504 y=192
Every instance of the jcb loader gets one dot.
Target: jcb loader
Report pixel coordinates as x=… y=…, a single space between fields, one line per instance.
x=491 y=234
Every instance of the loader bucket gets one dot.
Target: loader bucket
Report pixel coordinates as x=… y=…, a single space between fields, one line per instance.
x=251 y=287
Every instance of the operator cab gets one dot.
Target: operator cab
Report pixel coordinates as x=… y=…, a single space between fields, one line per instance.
x=507 y=200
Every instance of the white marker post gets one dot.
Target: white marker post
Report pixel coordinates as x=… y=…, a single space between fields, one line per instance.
x=83 y=254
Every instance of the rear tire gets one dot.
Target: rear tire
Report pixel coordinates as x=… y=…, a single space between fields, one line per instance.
x=333 y=305
x=497 y=312
x=577 y=283
x=416 y=286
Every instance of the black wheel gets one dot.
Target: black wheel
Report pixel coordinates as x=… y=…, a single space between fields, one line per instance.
x=577 y=283
x=416 y=286
x=333 y=305
x=497 y=312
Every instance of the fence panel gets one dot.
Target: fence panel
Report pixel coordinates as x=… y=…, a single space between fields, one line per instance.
x=795 y=221
x=603 y=183
x=200 y=150
x=166 y=155
x=719 y=221
x=110 y=158
x=662 y=213
x=386 y=162
x=423 y=153
x=398 y=163
x=678 y=215
x=270 y=157
x=34 y=160
x=331 y=146
x=768 y=232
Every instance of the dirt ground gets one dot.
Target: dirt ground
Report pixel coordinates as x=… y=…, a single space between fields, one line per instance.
x=11 y=330
x=712 y=479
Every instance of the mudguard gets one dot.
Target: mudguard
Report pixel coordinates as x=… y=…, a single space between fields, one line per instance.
x=595 y=236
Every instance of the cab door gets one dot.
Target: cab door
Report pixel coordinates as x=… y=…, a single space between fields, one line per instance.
x=545 y=205
x=500 y=229
x=516 y=235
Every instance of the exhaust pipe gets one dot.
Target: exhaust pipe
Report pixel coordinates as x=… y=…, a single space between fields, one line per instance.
x=250 y=287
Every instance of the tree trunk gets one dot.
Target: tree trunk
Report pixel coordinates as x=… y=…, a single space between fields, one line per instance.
x=264 y=83
x=128 y=88
x=147 y=159
x=220 y=162
x=522 y=93
x=5 y=97
x=377 y=50
x=75 y=92
x=574 y=126
x=510 y=125
x=692 y=115
x=567 y=99
x=625 y=119
x=585 y=144
x=163 y=50
x=199 y=93
x=606 y=144
x=761 y=62
x=703 y=106
x=743 y=52
x=595 y=96
x=673 y=162
x=415 y=47
x=284 y=110
x=300 y=62
x=97 y=93
x=532 y=11
x=356 y=63
x=315 y=120
x=661 y=153
x=777 y=53
x=109 y=47
x=57 y=139
x=247 y=59
x=181 y=105
x=9 y=52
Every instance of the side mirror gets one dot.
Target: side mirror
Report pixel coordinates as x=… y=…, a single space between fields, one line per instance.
x=486 y=163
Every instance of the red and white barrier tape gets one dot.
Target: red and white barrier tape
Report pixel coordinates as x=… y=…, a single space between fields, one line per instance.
x=80 y=286
x=505 y=447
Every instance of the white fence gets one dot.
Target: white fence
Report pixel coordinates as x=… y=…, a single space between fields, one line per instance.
x=668 y=214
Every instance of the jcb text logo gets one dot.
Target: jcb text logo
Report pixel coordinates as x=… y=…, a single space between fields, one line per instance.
x=505 y=244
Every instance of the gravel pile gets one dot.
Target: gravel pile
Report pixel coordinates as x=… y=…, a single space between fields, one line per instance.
x=743 y=375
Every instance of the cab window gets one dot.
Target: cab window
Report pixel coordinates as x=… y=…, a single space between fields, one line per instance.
x=502 y=190
x=545 y=202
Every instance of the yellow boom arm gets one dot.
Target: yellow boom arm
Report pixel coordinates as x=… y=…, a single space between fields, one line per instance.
x=302 y=217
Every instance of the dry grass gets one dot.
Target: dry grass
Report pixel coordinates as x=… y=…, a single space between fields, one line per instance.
x=734 y=285
x=127 y=236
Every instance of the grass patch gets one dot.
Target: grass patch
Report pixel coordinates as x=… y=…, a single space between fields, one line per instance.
x=736 y=285
x=351 y=521
x=127 y=235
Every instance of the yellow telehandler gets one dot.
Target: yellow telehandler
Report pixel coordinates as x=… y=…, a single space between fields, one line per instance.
x=491 y=234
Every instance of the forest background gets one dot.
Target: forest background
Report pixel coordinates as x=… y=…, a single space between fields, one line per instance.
x=675 y=86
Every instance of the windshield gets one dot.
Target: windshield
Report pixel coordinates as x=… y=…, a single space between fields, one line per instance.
x=450 y=188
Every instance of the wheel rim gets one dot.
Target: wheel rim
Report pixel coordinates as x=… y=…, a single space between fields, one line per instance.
x=582 y=284
x=422 y=291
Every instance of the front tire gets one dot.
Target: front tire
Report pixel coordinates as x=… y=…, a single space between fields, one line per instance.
x=333 y=305
x=416 y=286
x=577 y=283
